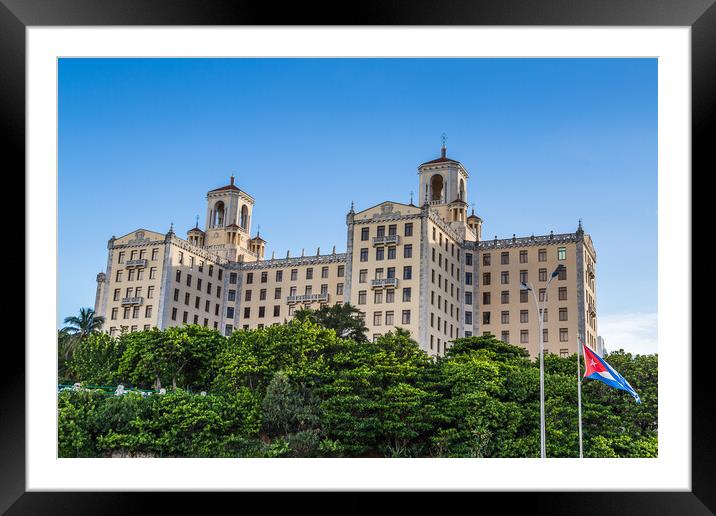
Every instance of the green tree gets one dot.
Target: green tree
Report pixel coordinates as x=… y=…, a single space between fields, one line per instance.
x=80 y=327
x=344 y=318
x=95 y=360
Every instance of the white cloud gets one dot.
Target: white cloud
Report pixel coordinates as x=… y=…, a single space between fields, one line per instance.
x=632 y=332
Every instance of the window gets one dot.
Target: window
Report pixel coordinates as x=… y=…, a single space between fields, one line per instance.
x=229 y=329
x=181 y=262
x=207 y=306
x=524 y=296
x=120 y=258
x=505 y=317
x=264 y=276
x=362 y=297
x=562 y=293
x=409 y=229
x=505 y=297
x=196 y=302
x=324 y=272
x=117 y=293
x=276 y=310
x=277 y=293
x=339 y=289
x=232 y=278
x=486 y=259
x=545 y=335
x=563 y=353
x=119 y=275
x=524 y=316
x=561 y=253
x=152 y=273
x=405 y=317
x=379 y=273
x=392 y=229
x=485 y=317
x=563 y=335
x=562 y=314
x=198 y=283
x=279 y=276
x=211 y=272
x=542 y=255
x=390 y=296
x=562 y=274
x=186 y=298
x=115 y=311
x=523 y=256
x=262 y=311
x=309 y=273
x=247 y=295
x=523 y=276
x=468 y=317
x=130 y=275
x=126 y=312
x=221 y=274
x=406 y=294
x=249 y=278
x=324 y=288
x=294 y=274
x=407 y=272
x=247 y=312
x=379 y=253
x=468 y=258
x=505 y=258
x=391 y=253
x=505 y=277
x=231 y=295
x=378 y=297
x=486 y=298
x=155 y=254
x=364 y=234
x=468 y=278
x=468 y=298
x=308 y=290
x=377 y=318
x=292 y=291
x=543 y=274
x=486 y=277
x=380 y=231
x=364 y=254
x=262 y=294
x=188 y=280
x=341 y=271
x=545 y=317
x=362 y=275
x=201 y=265
x=184 y=317
x=542 y=294
x=524 y=336
x=389 y=318
x=229 y=312
x=505 y=337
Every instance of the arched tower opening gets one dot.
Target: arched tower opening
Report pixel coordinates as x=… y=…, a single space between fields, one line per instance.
x=436 y=187
x=219 y=212
x=244 y=222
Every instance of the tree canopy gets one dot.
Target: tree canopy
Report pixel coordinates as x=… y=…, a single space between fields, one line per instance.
x=303 y=389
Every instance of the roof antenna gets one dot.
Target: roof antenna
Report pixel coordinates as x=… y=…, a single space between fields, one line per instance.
x=443 y=150
x=411 y=197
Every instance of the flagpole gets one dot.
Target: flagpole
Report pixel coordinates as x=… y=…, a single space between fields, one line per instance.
x=579 y=398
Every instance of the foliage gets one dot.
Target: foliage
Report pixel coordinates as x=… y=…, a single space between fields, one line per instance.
x=344 y=318
x=79 y=328
x=301 y=390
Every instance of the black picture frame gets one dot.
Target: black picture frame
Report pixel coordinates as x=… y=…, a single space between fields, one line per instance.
x=17 y=15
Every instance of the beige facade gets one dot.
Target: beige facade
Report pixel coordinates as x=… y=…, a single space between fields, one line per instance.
x=422 y=267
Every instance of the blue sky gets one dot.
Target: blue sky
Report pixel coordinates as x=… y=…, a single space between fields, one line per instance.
x=546 y=142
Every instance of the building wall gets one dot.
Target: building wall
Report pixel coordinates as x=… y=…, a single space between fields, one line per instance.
x=377 y=254
x=268 y=292
x=561 y=335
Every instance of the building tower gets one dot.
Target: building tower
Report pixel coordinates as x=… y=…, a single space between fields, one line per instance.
x=443 y=185
x=228 y=222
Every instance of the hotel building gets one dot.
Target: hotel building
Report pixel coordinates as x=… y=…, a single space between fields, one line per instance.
x=421 y=267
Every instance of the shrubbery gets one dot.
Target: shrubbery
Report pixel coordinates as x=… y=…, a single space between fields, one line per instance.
x=298 y=390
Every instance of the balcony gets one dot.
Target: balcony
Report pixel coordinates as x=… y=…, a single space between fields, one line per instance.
x=308 y=298
x=386 y=239
x=127 y=301
x=384 y=282
x=136 y=263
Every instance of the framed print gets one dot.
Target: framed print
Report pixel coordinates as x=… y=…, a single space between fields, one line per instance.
x=289 y=250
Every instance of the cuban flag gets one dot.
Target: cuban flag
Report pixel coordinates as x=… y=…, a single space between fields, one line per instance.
x=597 y=368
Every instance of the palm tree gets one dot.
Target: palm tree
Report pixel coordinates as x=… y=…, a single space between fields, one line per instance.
x=78 y=328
